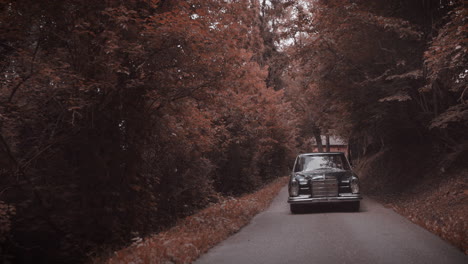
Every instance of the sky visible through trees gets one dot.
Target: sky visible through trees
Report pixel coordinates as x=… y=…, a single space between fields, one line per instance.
x=119 y=117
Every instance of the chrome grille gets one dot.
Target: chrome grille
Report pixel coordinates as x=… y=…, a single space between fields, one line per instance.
x=327 y=187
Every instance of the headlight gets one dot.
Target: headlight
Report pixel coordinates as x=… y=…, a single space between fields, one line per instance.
x=294 y=188
x=355 y=185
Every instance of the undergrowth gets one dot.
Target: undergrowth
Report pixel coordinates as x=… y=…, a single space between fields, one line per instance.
x=431 y=196
x=195 y=234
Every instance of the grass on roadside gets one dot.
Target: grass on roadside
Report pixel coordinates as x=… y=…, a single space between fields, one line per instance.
x=195 y=234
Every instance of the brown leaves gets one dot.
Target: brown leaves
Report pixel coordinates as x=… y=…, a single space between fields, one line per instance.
x=446 y=60
x=400 y=97
x=447 y=54
x=7 y=212
x=415 y=74
x=403 y=28
x=457 y=114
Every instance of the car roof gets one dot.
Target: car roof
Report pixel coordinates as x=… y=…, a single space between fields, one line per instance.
x=321 y=153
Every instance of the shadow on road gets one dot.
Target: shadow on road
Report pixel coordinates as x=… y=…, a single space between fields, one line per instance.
x=328 y=208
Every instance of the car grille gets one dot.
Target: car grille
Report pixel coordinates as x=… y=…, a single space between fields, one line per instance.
x=327 y=187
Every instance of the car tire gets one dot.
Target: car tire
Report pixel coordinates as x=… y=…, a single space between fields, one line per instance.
x=295 y=208
x=355 y=206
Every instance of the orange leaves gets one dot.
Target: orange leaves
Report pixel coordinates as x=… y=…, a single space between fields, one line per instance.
x=190 y=127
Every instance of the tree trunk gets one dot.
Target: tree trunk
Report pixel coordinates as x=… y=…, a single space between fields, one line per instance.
x=318 y=141
x=317 y=132
x=263 y=8
x=435 y=97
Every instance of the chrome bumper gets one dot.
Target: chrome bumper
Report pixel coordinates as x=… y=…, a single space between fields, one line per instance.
x=307 y=199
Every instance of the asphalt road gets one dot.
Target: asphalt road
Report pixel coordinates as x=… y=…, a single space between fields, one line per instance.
x=332 y=235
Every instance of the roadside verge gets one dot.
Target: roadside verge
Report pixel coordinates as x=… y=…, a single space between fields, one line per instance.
x=440 y=206
x=194 y=235
x=428 y=195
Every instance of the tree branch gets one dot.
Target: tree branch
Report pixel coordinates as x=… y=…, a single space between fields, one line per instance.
x=463 y=95
x=31 y=72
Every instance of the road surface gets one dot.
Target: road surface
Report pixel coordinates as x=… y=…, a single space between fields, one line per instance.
x=332 y=235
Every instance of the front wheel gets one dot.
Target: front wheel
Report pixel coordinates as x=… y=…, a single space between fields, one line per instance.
x=355 y=206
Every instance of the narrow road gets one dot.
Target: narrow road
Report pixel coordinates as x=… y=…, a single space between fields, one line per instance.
x=332 y=235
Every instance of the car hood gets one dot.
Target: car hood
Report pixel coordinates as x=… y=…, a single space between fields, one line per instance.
x=340 y=175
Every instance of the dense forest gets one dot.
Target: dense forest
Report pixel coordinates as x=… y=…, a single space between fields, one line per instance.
x=119 y=117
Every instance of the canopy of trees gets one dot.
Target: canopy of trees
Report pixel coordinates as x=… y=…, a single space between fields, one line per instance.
x=118 y=117
x=382 y=74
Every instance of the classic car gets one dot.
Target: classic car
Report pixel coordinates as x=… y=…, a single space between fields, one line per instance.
x=323 y=178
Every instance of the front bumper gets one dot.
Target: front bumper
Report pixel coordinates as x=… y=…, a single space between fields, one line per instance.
x=307 y=199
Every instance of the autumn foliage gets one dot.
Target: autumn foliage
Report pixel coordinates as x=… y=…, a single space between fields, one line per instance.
x=386 y=73
x=119 y=117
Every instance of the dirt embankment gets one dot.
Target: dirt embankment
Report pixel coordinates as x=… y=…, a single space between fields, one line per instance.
x=425 y=191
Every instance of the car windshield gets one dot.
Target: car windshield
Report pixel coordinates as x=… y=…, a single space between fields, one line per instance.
x=315 y=162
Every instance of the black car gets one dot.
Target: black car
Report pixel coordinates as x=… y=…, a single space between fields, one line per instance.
x=323 y=178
